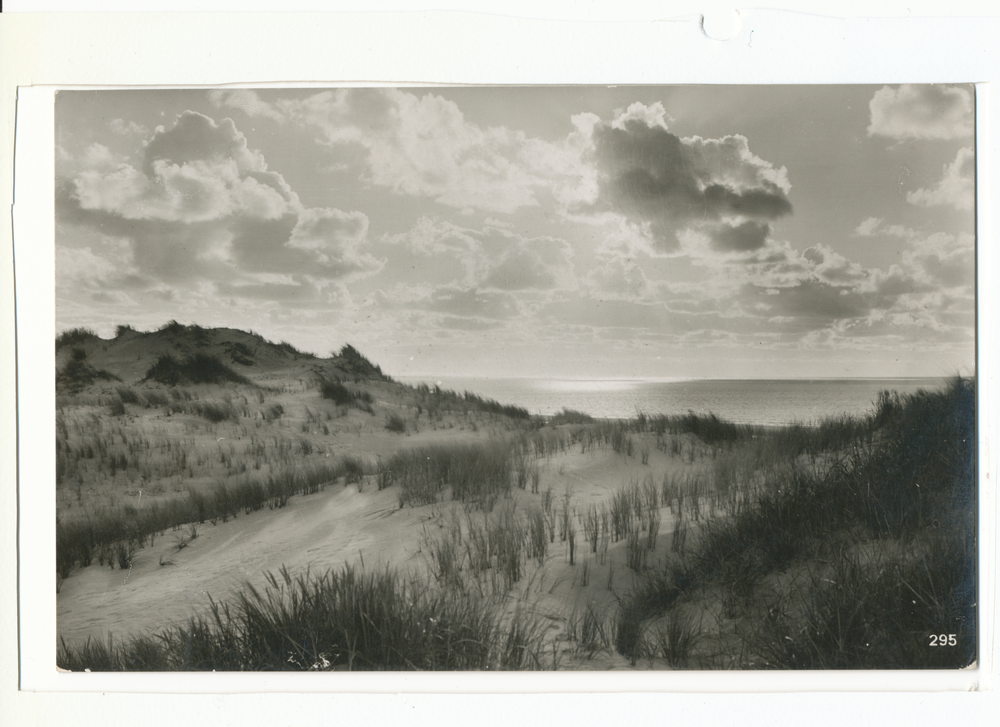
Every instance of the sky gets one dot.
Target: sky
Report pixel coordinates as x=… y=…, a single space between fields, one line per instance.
x=563 y=232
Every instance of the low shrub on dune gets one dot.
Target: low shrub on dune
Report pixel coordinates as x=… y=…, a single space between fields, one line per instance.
x=77 y=374
x=340 y=395
x=197 y=369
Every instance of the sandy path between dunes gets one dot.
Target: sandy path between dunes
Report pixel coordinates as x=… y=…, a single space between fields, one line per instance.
x=342 y=525
x=313 y=531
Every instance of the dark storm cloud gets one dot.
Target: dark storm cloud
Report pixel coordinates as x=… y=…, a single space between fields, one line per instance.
x=651 y=176
x=744 y=237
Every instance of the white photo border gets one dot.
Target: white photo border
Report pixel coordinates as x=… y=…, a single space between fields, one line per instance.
x=785 y=49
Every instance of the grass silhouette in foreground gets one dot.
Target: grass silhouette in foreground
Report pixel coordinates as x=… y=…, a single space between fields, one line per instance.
x=347 y=618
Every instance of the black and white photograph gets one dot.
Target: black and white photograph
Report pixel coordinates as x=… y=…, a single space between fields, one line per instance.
x=504 y=378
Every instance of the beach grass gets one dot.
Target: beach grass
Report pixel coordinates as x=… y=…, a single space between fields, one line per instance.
x=862 y=563
x=344 y=619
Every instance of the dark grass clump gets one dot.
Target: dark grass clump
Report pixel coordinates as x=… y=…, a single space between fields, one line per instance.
x=896 y=524
x=710 y=429
x=355 y=363
x=199 y=368
x=75 y=337
x=289 y=349
x=77 y=374
x=570 y=416
x=345 y=619
x=653 y=596
x=173 y=327
x=439 y=400
x=240 y=354
x=140 y=653
x=117 y=408
x=336 y=392
x=155 y=398
x=128 y=395
x=395 y=424
x=354 y=469
x=492 y=406
x=914 y=611
x=216 y=411
x=341 y=395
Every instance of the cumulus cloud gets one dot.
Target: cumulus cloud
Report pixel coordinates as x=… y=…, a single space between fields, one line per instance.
x=494 y=258
x=663 y=184
x=194 y=172
x=99 y=157
x=921 y=112
x=808 y=305
x=873 y=226
x=513 y=262
x=334 y=236
x=422 y=145
x=502 y=276
x=818 y=294
x=202 y=208
x=770 y=287
x=930 y=262
x=84 y=264
x=652 y=115
x=198 y=138
x=943 y=261
x=956 y=187
x=671 y=239
x=782 y=267
x=432 y=237
x=245 y=100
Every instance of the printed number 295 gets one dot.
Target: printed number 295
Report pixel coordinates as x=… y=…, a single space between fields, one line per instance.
x=942 y=640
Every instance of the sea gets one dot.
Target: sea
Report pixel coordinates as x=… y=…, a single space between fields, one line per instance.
x=769 y=402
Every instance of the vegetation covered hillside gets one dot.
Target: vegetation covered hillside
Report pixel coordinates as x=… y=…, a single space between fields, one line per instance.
x=132 y=355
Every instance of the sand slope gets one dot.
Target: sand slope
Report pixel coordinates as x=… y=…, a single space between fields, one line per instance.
x=341 y=525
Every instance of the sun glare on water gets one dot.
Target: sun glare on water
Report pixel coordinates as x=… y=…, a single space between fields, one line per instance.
x=595 y=385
